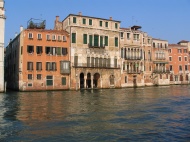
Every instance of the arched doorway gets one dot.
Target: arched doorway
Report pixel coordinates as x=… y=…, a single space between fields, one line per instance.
x=96 y=80
x=88 y=81
x=112 y=80
x=82 y=80
x=171 y=78
x=181 y=77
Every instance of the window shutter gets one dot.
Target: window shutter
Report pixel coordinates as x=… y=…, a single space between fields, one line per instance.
x=84 y=38
x=106 y=40
x=96 y=40
x=73 y=37
x=90 y=40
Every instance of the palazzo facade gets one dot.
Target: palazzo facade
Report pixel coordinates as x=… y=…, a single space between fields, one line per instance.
x=95 y=60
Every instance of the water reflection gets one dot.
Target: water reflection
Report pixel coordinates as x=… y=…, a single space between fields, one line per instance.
x=140 y=114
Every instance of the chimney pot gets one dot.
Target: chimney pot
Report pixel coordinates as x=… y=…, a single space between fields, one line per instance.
x=57 y=18
x=110 y=18
x=80 y=13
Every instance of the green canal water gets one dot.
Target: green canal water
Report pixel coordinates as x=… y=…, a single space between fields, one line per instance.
x=130 y=114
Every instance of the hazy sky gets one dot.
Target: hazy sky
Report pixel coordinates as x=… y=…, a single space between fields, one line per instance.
x=164 y=19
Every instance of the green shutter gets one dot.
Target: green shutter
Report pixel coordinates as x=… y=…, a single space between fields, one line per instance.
x=116 y=41
x=100 y=23
x=73 y=37
x=101 y=41
x=84 y=21
x=63 y=80
x=106 y=24
x=90 y=21
x=74 y=20
x=90 y=40
x=116 y=25
x=84 y=38
x=106 y=40
x=59 y=51
x=96 y=40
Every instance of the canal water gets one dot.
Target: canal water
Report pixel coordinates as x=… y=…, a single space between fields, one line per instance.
x=130 y=114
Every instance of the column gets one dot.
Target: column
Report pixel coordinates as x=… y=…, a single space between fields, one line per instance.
x=92 y=85
x=85 y=82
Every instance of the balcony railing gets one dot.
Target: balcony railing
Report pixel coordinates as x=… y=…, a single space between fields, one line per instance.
x=85 y=65
x=133 y=58
x=160 y=58
x=96 y=46
x=133 y=71
x=161 y=71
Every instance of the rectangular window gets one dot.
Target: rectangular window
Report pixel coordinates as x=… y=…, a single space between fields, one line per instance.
x=53 y=37
x=39 y=76
x=100 y=23
x=64 y=38
x=59 y=50
x=84 y=21
x=73 y=37
x=171 y=69
x=51 y=66
x=115 y=63
x=90 y=40
x=180 y=68
x=128 y=35
x=38 y=66
x=76 y=60
x=30 y=35
x=30 y=66
x=64 y=51
x=121 y=34
x=21 y=50
x=74 y=20
x=30 y=49
x=154 y=44
x=116 y=41
x=65 y=67
x=39 y=49
x=88 y=61
x=63 y=80
x=179 y=58
x=116 y=25
x=185 y=50
x=29 y=76
x=101 y=41
x=125 y=79
x=49 y=80
x=48 y=37
x=92 y=61
x=90 y=21
x=185 y=58
x=59 y=38
x=84 y=38
x=106 y=40
x=106 y=24
x=39 y=36
x=170 y=50
x=170 y=58
x=186 y=67
x=96 y=62
x=48 y=50
x=179 y=50
x=149 y=41
x=96 y=40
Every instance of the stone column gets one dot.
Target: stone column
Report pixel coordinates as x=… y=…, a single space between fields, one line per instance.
x=92 y=85
x=85 y=81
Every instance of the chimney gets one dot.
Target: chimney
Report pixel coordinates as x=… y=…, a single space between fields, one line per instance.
x=110 y=18
x=57 y=18
x=21 y=28
x=80 y=13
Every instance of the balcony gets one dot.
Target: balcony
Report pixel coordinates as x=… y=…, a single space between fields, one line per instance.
x=102 y=66
x=102 y=46
x=161 y=71
x=133 y=71
x=160 y=58
x=133 y=58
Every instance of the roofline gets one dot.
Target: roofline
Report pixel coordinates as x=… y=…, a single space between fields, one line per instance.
x=90 y=17
x=159 y=39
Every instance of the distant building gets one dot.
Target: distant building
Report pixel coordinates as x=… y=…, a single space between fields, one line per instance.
x=38 y=59
x=132 y=44
x=160 y=62
x=178 y=64
x=2 y=34
x=95 y=58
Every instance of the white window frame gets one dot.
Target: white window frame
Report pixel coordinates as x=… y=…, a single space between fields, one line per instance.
x=30 y=35
x=39 y=36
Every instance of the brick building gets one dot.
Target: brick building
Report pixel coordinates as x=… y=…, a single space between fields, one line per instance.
x=95 y=60
x=178 y=64
x=38 y=59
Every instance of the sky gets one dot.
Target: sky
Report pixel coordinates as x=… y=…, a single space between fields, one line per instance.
x=163 y=19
